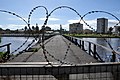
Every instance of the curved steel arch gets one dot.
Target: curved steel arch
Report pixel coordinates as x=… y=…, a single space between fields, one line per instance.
x=14 y=15
x=31 y=12
x=60 y=7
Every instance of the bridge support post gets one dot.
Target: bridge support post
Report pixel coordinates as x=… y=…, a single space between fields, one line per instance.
x=83 y=48
x=62 y=77
x=89 y=48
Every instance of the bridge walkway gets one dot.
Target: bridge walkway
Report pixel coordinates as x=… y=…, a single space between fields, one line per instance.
x=61 y=49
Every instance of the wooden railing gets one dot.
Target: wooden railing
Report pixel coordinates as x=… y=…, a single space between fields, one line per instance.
x=38 y=71
x=6 y=55
x=92 y=49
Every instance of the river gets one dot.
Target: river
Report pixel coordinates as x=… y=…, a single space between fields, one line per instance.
x=15 y=43
x=18 y=41
x=105 y=54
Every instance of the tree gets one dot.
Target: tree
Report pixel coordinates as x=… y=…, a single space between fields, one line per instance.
x=110 y=30
x=1 y=29
x=25 y=28
x=33 y=28
x=37 y=28
x=119 y=30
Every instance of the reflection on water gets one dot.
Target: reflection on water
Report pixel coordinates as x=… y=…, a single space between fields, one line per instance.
x=114 y=42
x=15 y=43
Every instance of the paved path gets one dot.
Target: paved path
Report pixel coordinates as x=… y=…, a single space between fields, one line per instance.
x=61 y=49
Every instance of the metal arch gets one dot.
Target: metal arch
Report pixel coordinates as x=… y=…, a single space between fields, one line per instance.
x=64 y=7
x=45 y=56
x=43 y=27
x=31 y=12
x=14 y=15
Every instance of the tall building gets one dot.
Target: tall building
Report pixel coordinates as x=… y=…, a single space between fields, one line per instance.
x=76 y=28
x=102 y=25
x=117 y=29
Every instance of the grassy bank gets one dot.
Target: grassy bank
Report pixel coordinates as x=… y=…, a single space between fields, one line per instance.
x=1 y=54
x=93 y=35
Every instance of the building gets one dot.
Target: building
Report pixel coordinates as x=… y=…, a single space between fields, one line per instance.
x=102 y=25
x=47 y=28
x=117 y=28
x=87 y=31
x=76 y=28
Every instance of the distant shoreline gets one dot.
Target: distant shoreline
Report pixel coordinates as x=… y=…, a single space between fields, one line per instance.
x=92 y=36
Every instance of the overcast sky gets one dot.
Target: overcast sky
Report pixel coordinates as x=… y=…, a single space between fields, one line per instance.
x=61 y=16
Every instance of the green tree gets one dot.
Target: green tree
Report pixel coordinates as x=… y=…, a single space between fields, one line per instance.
x=37 y=28
x=25 y=29
x=119 y=30
x=110 y=30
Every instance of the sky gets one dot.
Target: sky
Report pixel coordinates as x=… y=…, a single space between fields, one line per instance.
x=63 y=16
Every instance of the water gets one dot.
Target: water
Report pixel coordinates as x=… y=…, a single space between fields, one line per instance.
x=18 y=41
x=105 y=54
x=15 y=43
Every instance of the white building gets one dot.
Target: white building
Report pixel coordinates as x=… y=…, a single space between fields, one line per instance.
x=116 y=29
x=102 y=25
x=76 y=28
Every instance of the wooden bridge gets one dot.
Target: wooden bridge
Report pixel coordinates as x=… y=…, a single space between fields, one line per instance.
x=62 y=60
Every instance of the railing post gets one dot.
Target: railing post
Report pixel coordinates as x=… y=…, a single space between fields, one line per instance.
x=62 y=77
x=113 y=56
x=94 y=52
x=83 y=46
x=89 y=48
x=80 y=43
x=76 y=42
x=8 y=48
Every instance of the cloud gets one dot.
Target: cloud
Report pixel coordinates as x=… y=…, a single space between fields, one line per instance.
x=14 y=26
x=51 y=19
x=1 y=26
x=113 y=23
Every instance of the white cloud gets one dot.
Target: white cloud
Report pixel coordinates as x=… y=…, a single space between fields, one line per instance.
x=51 y=19
x=1 y=26
x=112 y=23
x=57 y=26
x=14 y=26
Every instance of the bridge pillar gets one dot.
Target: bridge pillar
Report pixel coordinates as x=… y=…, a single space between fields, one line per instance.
x=62 y=77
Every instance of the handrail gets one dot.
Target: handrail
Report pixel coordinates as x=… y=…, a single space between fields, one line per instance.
x=95 y=54
x=8 y=70
x=108 y=49
x=6 y=55
x=5 y=45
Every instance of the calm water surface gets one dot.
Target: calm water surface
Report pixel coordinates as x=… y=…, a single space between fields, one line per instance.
x=105 y=54
x=15 y=43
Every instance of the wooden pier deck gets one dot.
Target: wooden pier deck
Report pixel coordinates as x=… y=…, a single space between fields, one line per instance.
x=61 y=49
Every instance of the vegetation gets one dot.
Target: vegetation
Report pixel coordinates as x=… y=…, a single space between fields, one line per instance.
x=94 y=35
x=1 y=54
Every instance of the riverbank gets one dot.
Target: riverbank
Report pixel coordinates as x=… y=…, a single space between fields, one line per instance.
x=93 y=35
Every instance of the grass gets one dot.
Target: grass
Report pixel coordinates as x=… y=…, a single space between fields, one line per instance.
x=93 y=35
x=1 y=54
